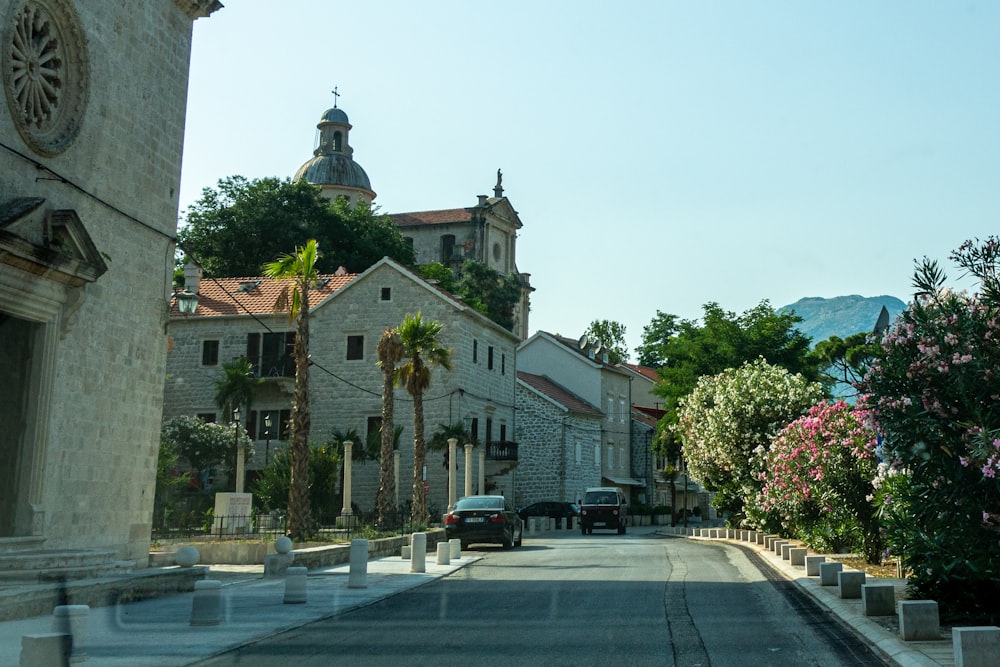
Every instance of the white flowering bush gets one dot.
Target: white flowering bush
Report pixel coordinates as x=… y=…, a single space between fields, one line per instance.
x=727 y=424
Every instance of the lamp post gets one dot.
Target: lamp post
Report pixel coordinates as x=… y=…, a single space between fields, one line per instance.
x=267 y=436
x=239 y=450
x=187 y=302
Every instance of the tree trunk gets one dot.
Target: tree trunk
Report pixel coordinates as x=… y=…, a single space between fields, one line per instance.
x=385 y=501
x=418 y=513
x=300 y=523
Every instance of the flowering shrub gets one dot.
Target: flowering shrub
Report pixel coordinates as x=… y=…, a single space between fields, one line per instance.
x=934 y=393
x=727 y=424
x=204 y=445
x=817 y=481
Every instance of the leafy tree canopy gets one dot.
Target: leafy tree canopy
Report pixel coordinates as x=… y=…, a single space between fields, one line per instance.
x=611 y=336
x=685 y=350
x=487 y=290
x=844 y=361
x=240 y=225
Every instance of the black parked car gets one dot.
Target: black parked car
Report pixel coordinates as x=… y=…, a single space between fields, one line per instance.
x=551 y=509
x=484 y=519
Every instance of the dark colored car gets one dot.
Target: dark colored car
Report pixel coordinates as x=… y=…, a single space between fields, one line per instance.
x=604 y=507
x=550 y=508
x=484 y=519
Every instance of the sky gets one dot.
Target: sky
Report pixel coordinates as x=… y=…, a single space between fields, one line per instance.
x=661 y=154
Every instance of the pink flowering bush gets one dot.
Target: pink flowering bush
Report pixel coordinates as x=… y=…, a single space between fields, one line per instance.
x=934 y=395
x=817 y=483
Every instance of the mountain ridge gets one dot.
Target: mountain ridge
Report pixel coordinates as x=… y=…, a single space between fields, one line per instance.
x=842 y=316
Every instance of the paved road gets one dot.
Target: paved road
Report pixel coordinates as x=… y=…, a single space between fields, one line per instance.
x=569 y=599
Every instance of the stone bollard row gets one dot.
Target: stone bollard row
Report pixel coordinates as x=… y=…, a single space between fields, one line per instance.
x=443 y=553
x=206 y=605
x=878 y=599
x=295 y=585
x=71 y=619
x=919 y=620
x=456 y=548
x=418 y=552
x=358 y=572
x=975 y=645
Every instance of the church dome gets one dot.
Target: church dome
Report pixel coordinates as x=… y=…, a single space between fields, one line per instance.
x=334 y=169
x=332 y=166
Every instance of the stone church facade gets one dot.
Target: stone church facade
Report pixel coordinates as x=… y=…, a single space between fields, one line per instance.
x=91 y=134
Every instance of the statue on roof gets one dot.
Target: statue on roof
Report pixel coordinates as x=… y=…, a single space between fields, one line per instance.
x=498 y=188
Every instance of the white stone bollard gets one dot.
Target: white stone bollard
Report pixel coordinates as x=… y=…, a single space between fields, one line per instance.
x=849 y=584
x=186 y=556
x=786 y=550
x=828 y=573
x=418 y=552
x=443 y=553
x=295 y=585
x=206 y=606
x=878 y=599
x=812 y=565
x=976 y=646
x=71 y=619
x=456 y=548
x=45 y=650
x=797 y=556
x=776 y=546
x=277 y=564
x=358 y=576
x=404 y=552
x=919 y=620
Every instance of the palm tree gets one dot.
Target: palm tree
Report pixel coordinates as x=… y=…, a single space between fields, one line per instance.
x=233 y=390
x=423 y=350
x=390 y=353
x=299 y=269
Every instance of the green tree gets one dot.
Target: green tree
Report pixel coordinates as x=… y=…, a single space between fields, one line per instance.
x=655 y=337
x=200 y=444
x=272 y=489
x=170 y=480
x=299 y=271
x=721 y=340
x=234 y=229
x=390 y=353
x=422 y=350
x=611 y=336
x=727 y=424
x=439 y=439
x=235 y=389
x=493 y=294
x=844 y=361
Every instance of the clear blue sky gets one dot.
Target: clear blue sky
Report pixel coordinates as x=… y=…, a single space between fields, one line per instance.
x=662 y=154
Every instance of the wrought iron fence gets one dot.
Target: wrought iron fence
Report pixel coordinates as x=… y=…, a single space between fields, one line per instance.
x=270 y=525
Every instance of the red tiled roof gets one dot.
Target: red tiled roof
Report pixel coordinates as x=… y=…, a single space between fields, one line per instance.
x=441 y=217
x=239 y=296
x=645 y=370
x=564 y=397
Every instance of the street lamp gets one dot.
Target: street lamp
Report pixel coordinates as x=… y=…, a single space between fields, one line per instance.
x=267 y=435
x=239 y=449
x=187 y=302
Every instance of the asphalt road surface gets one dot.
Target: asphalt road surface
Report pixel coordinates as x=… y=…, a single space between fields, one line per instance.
x=569 y=599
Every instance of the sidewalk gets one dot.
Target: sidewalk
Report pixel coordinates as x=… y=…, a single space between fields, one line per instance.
x=884 y=637
x=158 y=633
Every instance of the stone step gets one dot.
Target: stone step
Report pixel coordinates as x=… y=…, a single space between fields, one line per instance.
x=56 y=574
x=42 y=559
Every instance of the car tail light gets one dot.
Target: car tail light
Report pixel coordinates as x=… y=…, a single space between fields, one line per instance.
x=450 y=519
x=496 y=518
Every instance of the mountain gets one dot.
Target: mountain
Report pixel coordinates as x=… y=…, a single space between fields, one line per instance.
x=842 y=315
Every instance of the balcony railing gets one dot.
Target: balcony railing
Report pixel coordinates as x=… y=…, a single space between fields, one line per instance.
x=501 y=450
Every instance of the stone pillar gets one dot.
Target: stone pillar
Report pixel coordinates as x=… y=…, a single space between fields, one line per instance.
x=468 y=468
x=456 y=548
x=975 y=645
x=919 y=620
x=878 y=599
x=481 y=473
x=358 y=577
x=295 y=585
x=418 y=552
x=443 y=553
x=452 y=466
x=849 y=584
x=395 y=469
x=828 y=573
x=348 y=451
x=45 y=650
x=71 y=619
x=206 y=606
x=812 y=565
x=797 y=556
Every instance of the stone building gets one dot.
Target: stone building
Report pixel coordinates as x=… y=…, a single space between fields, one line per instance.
x=559 y=436
x=91 y=131
x=486 y=232
x=349 y=312
x=583 y=369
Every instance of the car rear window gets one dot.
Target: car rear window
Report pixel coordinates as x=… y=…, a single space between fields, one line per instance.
x=600 y=498
x=479 y=504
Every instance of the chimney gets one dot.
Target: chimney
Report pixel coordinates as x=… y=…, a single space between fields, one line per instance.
x=192 y=277
x=482 y=200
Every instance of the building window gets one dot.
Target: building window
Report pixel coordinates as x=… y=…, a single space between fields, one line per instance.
x=503 y=433
x=374 y=428
x=272 y=354
x=338 y=141
x=611 y=409
x=207 y=417
x=386 y=294
x=408 y=240
x=210 y=353
x=447 y=247
x=489 y=357
x=579 y=453
x=355 y=348
x=621 y=458
x=474 y=429
x=475 y=351
x=503 y=364
x=611 y=456
x=597 y=455
x=489 y=429
x=622 y=413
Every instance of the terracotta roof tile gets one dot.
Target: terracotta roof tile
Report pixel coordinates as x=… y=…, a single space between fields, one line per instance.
x=564 y=397
x=441 y=217
x=645 y=370
x=256 y=295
